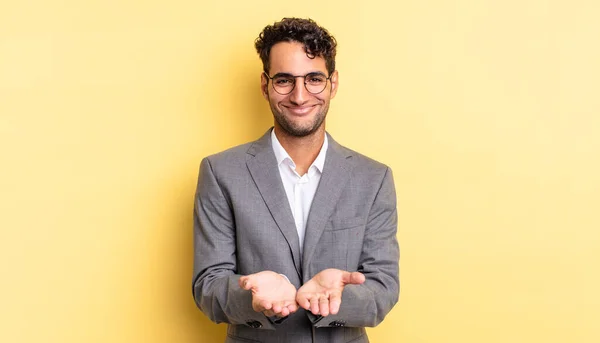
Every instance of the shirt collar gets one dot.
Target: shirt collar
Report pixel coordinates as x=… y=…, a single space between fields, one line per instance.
x=282 y=155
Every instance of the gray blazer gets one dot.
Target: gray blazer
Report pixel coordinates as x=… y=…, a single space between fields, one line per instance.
x=243 y=224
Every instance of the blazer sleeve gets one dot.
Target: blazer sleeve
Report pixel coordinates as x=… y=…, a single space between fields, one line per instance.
x=215 y=283
x=367 y=304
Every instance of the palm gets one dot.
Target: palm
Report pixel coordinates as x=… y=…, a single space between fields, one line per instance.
x=272 y=289
x=323 y=293
x=326 y=282
x=271 y=293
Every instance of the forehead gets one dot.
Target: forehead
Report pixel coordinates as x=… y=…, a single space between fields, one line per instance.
x=290 y=57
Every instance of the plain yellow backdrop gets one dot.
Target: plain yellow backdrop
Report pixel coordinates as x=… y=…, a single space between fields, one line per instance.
x=487 y=111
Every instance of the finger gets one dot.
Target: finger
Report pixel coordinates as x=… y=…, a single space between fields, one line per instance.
x=284 y=312
x=266 y=305
x=357 y=278
x=242 y=282
x=354 y=278
x=269 y=313
x=303 y=301
x=277 y=307
x=292 y=308
x=246 y=283
x=335 y=300
x=324 y=306
x=314 y=305
x=258 y=306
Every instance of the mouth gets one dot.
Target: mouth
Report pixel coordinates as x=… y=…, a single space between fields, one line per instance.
x=300 y=110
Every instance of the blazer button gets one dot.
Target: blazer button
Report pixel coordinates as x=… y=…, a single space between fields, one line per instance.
x=254 y=324
x=336 y=323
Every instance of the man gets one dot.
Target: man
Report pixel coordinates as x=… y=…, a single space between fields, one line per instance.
x=294 y=234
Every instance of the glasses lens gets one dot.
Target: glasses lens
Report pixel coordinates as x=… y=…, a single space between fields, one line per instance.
x=315 y=83
x=283 y=84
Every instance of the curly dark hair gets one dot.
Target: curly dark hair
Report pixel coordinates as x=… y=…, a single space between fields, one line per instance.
x=317 y=41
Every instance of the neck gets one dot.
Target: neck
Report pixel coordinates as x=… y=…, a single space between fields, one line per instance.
x=302 y=150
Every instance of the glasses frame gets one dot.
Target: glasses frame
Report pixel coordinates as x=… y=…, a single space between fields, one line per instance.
x=294 y=86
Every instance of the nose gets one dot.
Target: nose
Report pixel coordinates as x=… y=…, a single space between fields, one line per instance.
x=299 y=95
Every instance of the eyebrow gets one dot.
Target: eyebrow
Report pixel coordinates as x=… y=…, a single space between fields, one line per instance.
x=290 y=75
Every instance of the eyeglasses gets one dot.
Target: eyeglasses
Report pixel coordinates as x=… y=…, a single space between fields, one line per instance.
x=284 y=84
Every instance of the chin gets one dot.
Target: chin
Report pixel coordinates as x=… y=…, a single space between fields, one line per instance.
x=301 y=130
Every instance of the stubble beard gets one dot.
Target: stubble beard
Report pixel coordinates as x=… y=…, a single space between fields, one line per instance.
x=298 y=130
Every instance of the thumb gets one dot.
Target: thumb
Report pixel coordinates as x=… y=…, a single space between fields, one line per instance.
x=354 y=278
x=244 y=283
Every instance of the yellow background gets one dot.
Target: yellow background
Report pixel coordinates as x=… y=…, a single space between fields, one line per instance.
x=487 y=111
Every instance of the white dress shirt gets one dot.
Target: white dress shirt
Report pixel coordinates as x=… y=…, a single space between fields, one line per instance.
x=300 y=189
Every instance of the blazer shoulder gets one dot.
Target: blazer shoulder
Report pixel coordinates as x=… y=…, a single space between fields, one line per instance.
x=362 y=161
x=231 y=156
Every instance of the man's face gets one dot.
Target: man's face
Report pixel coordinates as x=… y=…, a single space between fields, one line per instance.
x=299 y=113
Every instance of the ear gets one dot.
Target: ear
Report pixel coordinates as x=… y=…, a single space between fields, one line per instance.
x=264 y=84
x=334 y=83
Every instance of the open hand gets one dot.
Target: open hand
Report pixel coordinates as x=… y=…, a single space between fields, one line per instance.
x=272 y=294
x=323 y=293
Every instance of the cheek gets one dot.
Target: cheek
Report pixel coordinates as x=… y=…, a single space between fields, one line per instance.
x=276 y=100
x=323 y=97
x=322 y=100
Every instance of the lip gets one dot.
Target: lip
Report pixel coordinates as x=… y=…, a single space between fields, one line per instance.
x=300 y=110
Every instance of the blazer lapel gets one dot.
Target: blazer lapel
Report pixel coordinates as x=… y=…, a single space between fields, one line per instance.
x=263 y=168
x=336 y=173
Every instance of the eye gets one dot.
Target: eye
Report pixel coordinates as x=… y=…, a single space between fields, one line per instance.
x=315 y=79
x=283 y=81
